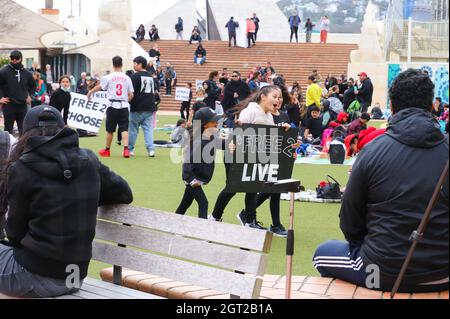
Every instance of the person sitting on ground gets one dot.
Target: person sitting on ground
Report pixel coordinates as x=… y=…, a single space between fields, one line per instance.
x=153 y=33
x=354 y=143
x=359 y=124
x=314 y=127
x=376 y=113
x=48 y=233
x=389 y=189
x=140 y=33
x=195 y=35
x=200 y=55
x=177 y=137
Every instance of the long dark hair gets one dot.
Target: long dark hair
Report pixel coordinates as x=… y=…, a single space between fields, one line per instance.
x=254 y=97
x=17 y=152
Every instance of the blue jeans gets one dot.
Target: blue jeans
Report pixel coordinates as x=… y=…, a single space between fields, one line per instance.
x=16 y=281
x=202 y=60
x=145 y=120
x=334 y=259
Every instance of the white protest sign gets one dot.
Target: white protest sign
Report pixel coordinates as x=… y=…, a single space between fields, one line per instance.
x=182 y=94
x=199 y=84
x=87 y=115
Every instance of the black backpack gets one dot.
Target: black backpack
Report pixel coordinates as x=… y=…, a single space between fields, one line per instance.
x=329 y=190
x=337 y=153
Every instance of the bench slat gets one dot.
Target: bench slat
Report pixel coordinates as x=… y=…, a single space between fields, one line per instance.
x=127 y=292
x=224 y=233
x=174 y=245
x=245 y=286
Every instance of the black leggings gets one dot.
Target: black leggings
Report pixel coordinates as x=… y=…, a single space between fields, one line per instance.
x=190 y=194
x=294 y=30
x=224 y=198
x=274 y=206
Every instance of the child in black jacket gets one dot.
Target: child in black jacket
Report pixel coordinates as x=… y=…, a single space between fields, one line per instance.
x=198 y=168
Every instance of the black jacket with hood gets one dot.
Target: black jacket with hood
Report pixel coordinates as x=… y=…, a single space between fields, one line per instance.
x=54 y=190
x=17 y=83
x=389 y=189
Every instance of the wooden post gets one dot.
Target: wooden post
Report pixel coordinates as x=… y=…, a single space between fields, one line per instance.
x=290 y=248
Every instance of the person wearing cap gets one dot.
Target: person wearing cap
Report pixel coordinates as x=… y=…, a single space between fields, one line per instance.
x=231 y=26
x=364 y=92
x=53 y=189
x=389 y=189
x=198 y=172
x=143 y=107
x=17 y=86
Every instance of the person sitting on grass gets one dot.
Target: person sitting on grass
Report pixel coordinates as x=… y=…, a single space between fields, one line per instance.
x=389 y=189
x=314 y=127
x=51 y=189
x=359 y=124
x=177 y=137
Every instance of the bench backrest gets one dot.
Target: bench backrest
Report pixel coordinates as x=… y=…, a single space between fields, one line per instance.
x=214 y=255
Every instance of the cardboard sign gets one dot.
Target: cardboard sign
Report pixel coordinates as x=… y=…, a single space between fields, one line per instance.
x=87 y=115
x=199 y=84
x=182 y=94
x=263 y=158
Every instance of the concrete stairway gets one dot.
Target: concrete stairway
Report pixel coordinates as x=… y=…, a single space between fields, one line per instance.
x=294 y=61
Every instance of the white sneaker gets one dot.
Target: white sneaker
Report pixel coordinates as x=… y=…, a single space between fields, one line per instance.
x=132 y=153
x=151 y=153
x=211 y=217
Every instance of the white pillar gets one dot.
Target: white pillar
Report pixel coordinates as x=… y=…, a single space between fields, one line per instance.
x=409 y=39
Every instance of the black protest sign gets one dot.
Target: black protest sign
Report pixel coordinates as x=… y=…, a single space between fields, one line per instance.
x=263 y=157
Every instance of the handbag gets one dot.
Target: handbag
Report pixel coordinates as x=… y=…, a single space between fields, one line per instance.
x=329 y=189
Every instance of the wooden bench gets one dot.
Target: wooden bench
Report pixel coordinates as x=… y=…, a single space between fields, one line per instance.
x=218 y=256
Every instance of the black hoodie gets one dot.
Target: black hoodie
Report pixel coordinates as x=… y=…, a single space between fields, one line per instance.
x=389 y=189
x=239 y=87
x=17 y=83
x=54 y=190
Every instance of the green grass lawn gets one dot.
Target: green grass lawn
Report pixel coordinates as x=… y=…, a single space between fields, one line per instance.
x=156 y=183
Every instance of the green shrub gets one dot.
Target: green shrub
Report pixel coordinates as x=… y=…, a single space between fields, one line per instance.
x=3 y=61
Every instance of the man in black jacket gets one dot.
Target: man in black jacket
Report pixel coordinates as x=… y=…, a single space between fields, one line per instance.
x=349 y=94
x=365 y=92
x=17 y=86
x=53 y=189
x=235 y=91
x=142 y=106
x=389 y=189
x=200 y=55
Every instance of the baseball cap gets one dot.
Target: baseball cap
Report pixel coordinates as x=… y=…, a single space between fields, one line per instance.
x=42 y=116
x=206 y=115
x=15 y=54
x=362 y=74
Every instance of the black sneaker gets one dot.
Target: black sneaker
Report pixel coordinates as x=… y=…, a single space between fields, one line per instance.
x=255 y=224
x=278 y=231
x=241 y=217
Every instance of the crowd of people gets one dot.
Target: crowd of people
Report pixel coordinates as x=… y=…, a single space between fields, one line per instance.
x=380 y=207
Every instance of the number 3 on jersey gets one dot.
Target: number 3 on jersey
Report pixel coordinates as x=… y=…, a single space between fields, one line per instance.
x=119 y=89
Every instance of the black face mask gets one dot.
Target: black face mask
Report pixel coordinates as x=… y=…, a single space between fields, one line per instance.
x=17 y=66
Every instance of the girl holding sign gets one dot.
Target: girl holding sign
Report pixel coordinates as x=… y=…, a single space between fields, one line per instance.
x=199 y=171
x=257 y=109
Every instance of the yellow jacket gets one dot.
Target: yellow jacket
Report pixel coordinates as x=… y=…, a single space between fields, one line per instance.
x=313 y=95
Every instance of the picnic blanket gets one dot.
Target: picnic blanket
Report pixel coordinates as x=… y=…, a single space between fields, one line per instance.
x=321 y=160
x=308 y=196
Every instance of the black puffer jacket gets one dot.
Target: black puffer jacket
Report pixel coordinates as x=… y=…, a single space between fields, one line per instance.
x=54 y=190
x=391 y=184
